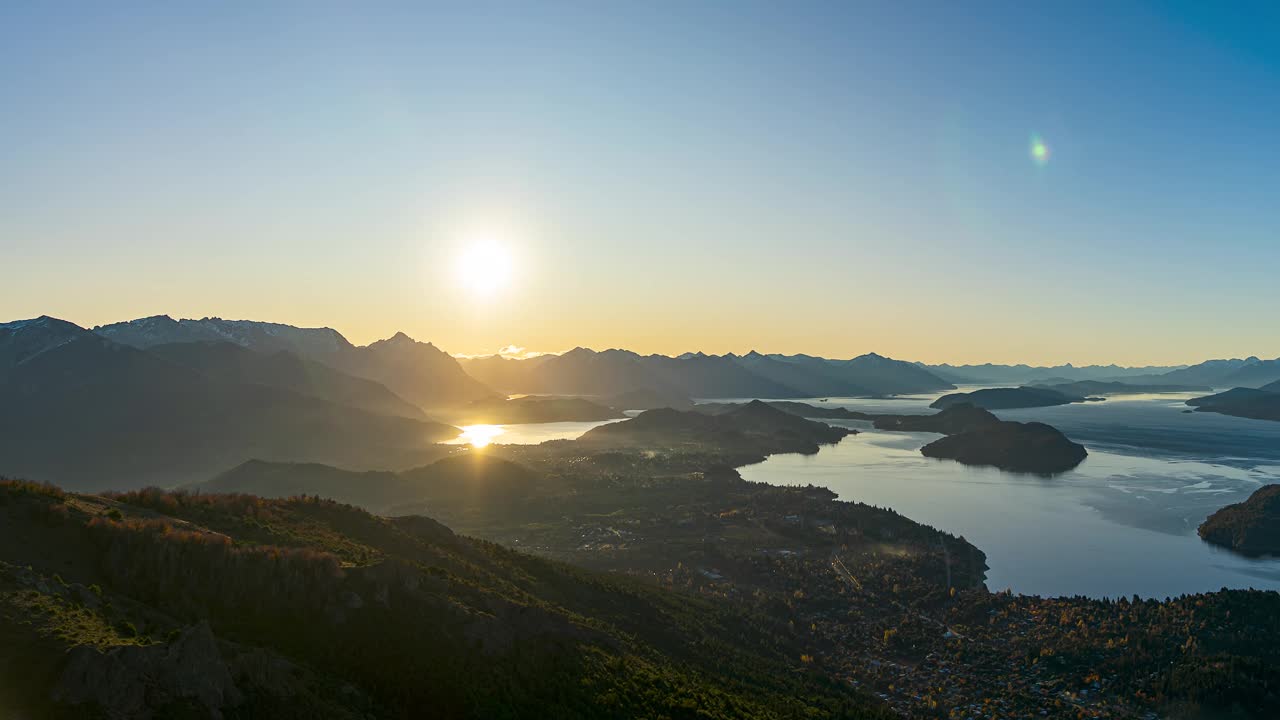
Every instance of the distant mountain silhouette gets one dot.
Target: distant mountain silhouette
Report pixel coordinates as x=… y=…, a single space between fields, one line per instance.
x=648 y=399
x=1102 y=387
x=289 y=371
x=578 y=372
x=992 y=374
x=1255 y=375
x=261 y=336
x=22 y=341
x=418 y=372
x=821 y=378
x=83 y=411
x=886 y=376
x=1214 y=373
x=613 y=372
x=715 y=376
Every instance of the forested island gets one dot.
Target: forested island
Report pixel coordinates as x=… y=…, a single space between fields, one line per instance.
x=1251 y=527
x=1254 y=403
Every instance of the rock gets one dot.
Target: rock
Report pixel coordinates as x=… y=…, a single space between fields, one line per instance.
x=84 y=595
x=131 y=681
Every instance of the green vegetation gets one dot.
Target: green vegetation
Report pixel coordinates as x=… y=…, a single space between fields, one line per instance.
x=1251 y=527
x=401 y=612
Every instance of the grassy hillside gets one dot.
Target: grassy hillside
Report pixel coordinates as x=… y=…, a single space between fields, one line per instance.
x=309 y=608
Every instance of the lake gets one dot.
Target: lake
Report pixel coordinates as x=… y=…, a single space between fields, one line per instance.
x=523 y=434
x=1122 y=523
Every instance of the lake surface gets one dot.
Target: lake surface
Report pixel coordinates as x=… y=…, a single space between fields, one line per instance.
x=524 y=434
x=1122 y=523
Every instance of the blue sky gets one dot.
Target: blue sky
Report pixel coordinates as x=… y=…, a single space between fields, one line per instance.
x=831 y=178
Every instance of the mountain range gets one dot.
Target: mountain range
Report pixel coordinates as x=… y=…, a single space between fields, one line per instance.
x=1236 y=372
x=164 y=401
x=582 y=371
x=85 y=411
x=418 y=372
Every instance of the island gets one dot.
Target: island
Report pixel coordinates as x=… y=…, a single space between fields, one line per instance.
x=1008 y=398
x=1012 y=446
x=975 y=436
x=754 y=429
x=1255 y=403
x=1251 y=527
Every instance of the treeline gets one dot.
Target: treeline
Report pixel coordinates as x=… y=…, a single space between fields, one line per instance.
x=162 y=562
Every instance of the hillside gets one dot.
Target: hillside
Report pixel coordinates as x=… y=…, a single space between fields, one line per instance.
x=455 y=485
x=157 y=604
x=286 y=370
x=90 y=413
x=751 y=429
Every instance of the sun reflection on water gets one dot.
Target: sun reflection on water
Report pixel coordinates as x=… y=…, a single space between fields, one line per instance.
x=479 y=435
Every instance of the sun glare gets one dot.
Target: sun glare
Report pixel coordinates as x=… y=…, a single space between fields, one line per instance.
x=478 y=436
x=484 y=268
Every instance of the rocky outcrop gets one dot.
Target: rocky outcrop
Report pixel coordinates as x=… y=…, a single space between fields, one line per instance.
x=132 y=681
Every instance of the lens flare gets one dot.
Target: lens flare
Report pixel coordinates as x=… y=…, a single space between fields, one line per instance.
x=1039 y=151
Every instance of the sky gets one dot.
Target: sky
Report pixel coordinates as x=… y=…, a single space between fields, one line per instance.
x=1047 y=182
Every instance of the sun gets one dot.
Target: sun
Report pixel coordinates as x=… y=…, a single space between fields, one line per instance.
x=484 y=267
